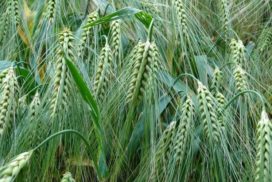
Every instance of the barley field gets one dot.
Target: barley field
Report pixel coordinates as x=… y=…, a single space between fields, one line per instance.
x=136 y=90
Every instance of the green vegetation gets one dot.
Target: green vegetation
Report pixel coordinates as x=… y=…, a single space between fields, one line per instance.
x=139 y=90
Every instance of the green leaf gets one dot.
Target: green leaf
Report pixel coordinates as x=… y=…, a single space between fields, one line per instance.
x=142 y=16
x=85 y=92
x=179 y=86
x=88 y=97
x=203 y=68
x=29 y=84
x=5 y=64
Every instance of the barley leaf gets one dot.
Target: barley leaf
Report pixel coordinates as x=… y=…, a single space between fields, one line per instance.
x=142 y=16
x=88 y=97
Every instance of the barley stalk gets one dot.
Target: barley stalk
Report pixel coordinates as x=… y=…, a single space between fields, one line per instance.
x=8 y=100
x=67 y=177
x=9 y=172
x=145 y=63
x=264 y=150
x=103 y=72
x=209 y=118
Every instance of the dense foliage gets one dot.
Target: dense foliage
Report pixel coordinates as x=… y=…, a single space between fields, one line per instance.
x=138 y=90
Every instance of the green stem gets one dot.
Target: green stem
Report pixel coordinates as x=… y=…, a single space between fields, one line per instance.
x=243 y=92
x=226 y=64
x=65 y=132
x=150 y=31
x=184 y=74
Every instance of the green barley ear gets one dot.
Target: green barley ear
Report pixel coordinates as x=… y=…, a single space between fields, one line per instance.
x=145 y=63
x=265 y=40
x=216 y=81
x=240 y=78
x=237 y=51
x=86 y=33
x=4 y=27
x=221 y=100
x=13 y=6
x=208 y=112
x=264 y=150
x=166 y=139
x=51 y=10
x=34 y=106
x=3 y=74
x=66 y=39
x=183 y=130
x=163 y=148
x=22 y=105
x=103 y=72
x=181 y=15
x=62 y=78
x=225 y=17
x=10 y=171
x=8 y=100
x=67 y=177
x=115 y=41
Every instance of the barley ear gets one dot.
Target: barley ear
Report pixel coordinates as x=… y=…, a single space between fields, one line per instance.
x=237 y=52
x=143 y=69
x=8 y=100
x=264 y=146
x=216 y=81
x=34 y=106
x=51 y=10
x=67 y=177
x=62 y=77
x=265 y=39
x=225 y=17
x=103 y=72
x=208 y=114
x=240 y=78
x=115 y=38
x=86 y=33
x=9 y=171
x=181 y=15
x=183 y=130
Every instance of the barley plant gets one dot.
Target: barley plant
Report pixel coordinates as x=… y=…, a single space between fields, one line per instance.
x=142 y=90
